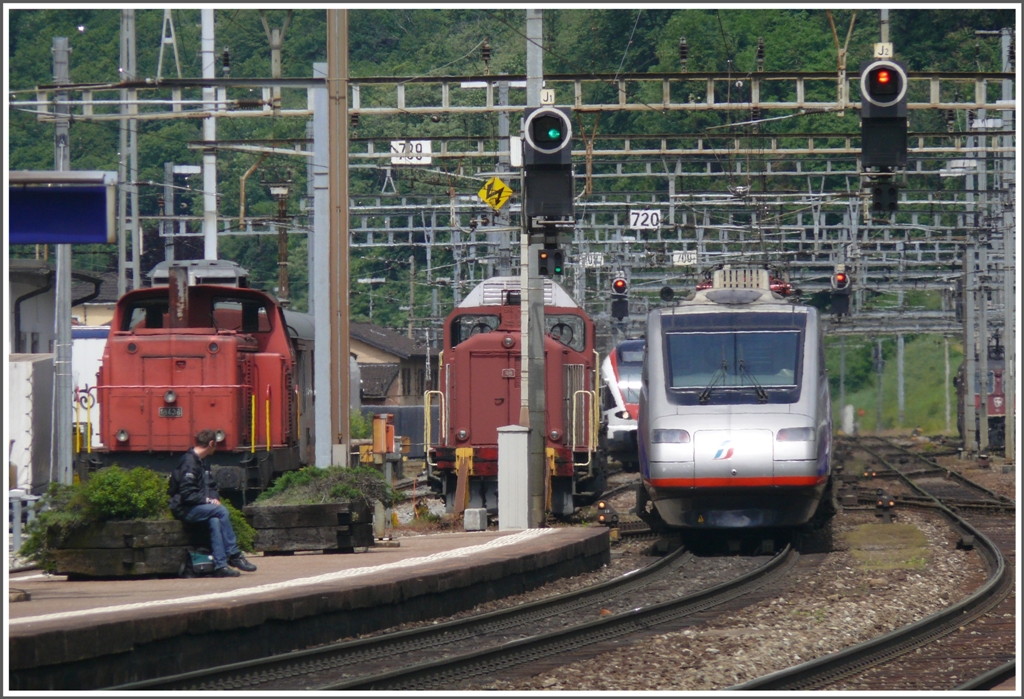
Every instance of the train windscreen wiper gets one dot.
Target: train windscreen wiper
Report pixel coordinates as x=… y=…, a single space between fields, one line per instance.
x=762 y=395
x=719 y=375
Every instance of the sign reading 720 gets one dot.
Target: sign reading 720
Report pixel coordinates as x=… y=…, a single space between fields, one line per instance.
x=644 y=219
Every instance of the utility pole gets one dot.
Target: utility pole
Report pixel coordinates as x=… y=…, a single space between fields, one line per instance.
x=128 y=162
x=167 y=225
x=276 y=38
x=969 y=377
x=983 y=345
x=533 y=303
x=209 y=61
x=1009 y=263
x=337 y=92
x=945 y=391
x=501 y=220
x=60 y=463
x=900 y=393
x=412 y=292
x=879 y=368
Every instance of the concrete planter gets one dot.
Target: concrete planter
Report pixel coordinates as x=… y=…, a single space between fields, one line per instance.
x=132 y=548
x=331 y=527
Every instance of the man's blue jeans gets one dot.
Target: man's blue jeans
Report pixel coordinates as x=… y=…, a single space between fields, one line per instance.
x=222 y=536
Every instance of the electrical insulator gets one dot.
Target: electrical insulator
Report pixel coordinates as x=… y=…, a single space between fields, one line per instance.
x=950 y=120
x=226 y=62
x=755 y=113
x=760 y=53
x=684 y=52
x=354 y=120
x=485 y=51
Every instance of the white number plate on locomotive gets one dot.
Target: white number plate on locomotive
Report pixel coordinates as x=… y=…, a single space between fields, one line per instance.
x=170 y=412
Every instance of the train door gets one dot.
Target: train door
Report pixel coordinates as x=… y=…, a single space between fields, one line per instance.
x=494 y=394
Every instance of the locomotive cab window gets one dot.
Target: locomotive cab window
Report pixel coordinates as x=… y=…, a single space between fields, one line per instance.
x=711 y=362
x=240 y=315
x=568 y=329
x=466 y=326
x=145 y=315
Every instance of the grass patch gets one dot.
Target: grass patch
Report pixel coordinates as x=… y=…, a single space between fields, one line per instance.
x=888 y=546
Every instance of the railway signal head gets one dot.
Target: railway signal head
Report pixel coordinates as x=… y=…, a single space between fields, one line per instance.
x=841 y=287
x=550 y=261
x=883 y=114
x=547 y=166
x=620 y=304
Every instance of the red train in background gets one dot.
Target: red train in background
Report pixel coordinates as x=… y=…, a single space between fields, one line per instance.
x=193 y=355
x=996 y=397
x=480 y=373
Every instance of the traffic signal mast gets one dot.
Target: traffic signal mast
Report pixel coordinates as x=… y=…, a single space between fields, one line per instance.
x=841 y=287
x=549 y=194
x=620 y=303
x=883 y=130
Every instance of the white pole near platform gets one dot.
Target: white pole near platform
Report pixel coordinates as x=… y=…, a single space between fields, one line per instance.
x=513 y=462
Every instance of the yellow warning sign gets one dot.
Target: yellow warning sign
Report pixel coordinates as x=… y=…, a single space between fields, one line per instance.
x=495 y=193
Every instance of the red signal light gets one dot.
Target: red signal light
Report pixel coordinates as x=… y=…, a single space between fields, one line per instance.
x=840 y=278
x=883 y=76
x=619 y=286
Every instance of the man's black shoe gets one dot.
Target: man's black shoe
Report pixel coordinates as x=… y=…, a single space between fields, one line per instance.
x=242 y=563
x=225 y=572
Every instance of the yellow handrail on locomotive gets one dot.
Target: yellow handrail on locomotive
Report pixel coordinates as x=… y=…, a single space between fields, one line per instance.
x=426 y=423
x=591 y=436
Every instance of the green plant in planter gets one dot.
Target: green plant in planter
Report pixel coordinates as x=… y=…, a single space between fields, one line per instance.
x=110 y=494
x=314 y=486
x=244 y=533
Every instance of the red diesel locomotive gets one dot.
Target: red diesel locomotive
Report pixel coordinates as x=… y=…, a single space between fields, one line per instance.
x=480 y=372
x=181 y=358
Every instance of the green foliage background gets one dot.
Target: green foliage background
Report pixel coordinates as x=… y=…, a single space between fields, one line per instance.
x=412 y=41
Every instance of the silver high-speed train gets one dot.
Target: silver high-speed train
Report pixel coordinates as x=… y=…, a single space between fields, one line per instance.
x=735 y=420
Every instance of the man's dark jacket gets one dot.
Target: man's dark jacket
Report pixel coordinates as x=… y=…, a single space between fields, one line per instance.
x=191 y=484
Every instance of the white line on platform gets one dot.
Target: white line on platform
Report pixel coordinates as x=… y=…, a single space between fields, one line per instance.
x=234 y=594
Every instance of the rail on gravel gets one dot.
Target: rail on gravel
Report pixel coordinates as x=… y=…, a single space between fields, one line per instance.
x=441 y=674
x=254 y=673
x=831 y=668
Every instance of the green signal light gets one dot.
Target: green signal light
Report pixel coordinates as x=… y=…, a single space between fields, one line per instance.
x=554 y=134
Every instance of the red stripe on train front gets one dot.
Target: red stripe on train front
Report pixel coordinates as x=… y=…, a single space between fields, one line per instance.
x=762 y=482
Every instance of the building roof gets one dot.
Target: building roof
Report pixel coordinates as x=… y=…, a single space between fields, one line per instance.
x=377 y=379
x=388 y=340
x=92 y=287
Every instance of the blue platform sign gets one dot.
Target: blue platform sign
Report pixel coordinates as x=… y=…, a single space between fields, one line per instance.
x=59 y=211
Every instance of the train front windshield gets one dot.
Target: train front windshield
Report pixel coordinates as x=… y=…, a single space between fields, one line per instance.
x=711 y=363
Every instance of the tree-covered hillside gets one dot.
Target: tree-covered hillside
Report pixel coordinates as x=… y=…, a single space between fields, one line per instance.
x=414 y=42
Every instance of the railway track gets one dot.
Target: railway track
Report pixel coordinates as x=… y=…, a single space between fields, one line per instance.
x=515 y=635
x=959 y=642
x=297 y=667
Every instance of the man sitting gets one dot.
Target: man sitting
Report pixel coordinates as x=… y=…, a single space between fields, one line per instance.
x=194 y=498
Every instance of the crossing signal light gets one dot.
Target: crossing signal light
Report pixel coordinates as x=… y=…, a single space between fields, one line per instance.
x=550 y=261
x=620 y=303
x=883 y=114
x=547 y=166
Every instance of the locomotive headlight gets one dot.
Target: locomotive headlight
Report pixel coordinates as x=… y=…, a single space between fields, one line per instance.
x=170 y=397
x=508 y=342
x=220 y=436
x=554 y=435
x=462 y=435
x=122 y=435
x=795 y=434
x=213 y=347
x=670 y=436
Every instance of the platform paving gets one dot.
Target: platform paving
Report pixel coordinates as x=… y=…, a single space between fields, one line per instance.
x=102 y=633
